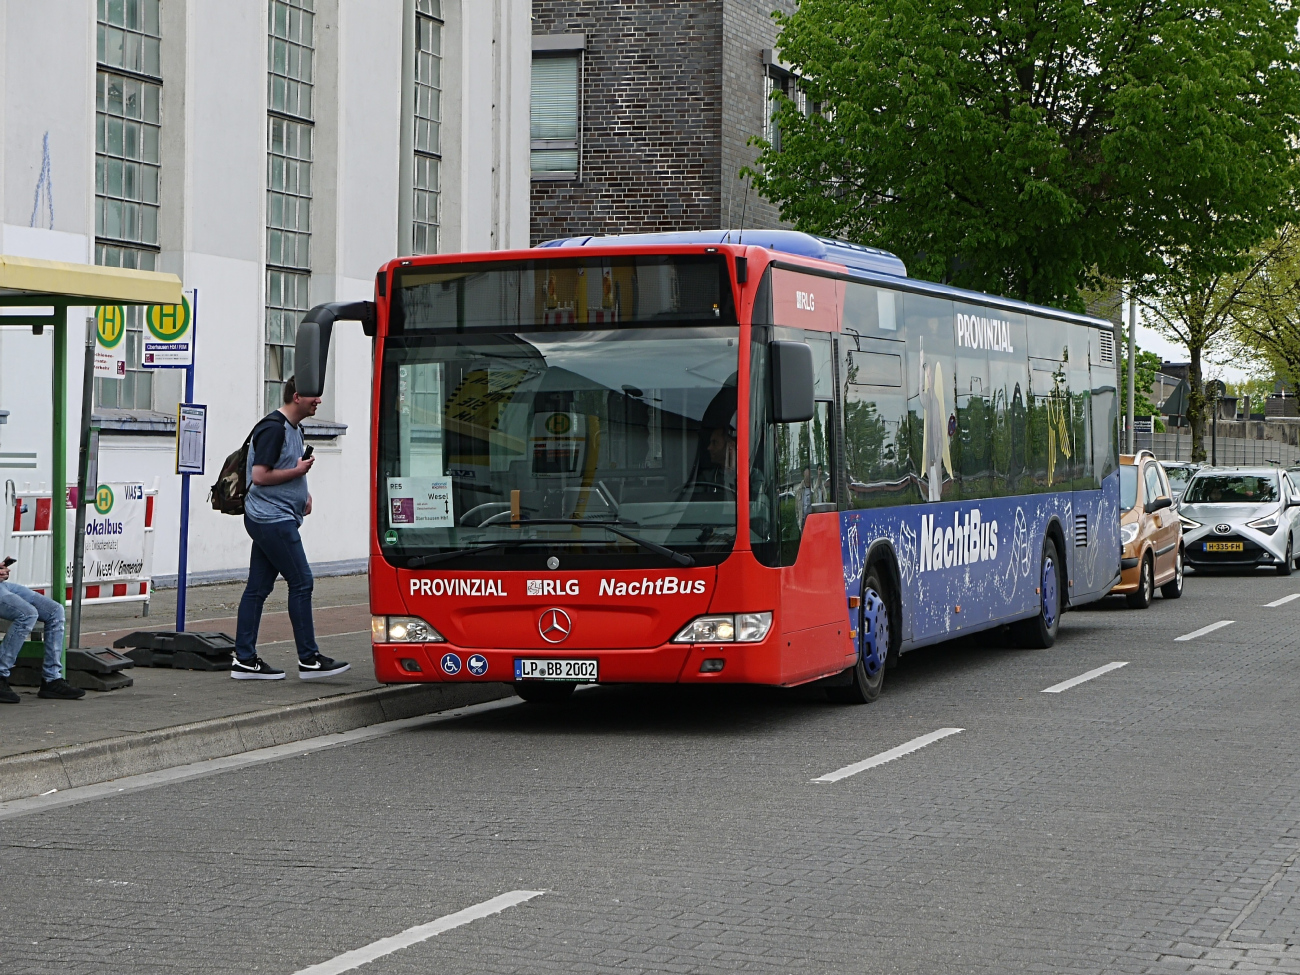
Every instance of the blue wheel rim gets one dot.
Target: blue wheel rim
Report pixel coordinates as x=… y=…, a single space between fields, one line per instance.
x=873 y=645
x=1049 y=593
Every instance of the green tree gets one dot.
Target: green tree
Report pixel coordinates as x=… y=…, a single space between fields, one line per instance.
x=1266 y=318
x=1028 y=148
x=1198 y=308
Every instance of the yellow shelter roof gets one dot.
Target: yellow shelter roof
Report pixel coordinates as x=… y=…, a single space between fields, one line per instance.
x=24 y=279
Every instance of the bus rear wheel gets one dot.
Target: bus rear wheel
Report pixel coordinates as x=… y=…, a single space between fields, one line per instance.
x=1039 y=633
x=544 y=691
x=875 y=635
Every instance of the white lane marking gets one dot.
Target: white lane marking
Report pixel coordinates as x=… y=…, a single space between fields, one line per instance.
x=1203 y=630
x=1284 y=599
x=904 y=749
x=14 y=808
x=423 y=932
x=1065 y=685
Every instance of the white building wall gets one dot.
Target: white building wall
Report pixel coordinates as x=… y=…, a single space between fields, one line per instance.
x=212 y=222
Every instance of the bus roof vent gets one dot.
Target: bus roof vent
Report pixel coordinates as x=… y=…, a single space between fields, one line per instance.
x=854 y=256
x=1107 y=347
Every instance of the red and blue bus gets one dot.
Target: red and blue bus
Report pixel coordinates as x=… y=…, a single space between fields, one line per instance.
x=768 y=458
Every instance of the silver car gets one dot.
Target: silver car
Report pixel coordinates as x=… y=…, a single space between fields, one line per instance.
x=1241 y=518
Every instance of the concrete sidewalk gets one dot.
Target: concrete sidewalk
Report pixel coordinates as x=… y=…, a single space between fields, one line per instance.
x=173 y=717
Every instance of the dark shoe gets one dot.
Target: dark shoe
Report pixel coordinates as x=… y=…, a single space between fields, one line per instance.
x=7 y=694
x=60 y=690
x=255 y=669
x=321 y=666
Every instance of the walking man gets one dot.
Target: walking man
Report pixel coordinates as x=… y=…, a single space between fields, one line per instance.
x=276 y=503
x=23 y=608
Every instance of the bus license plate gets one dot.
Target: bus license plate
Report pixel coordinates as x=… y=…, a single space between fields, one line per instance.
x=1225 y=546
x=586 y=671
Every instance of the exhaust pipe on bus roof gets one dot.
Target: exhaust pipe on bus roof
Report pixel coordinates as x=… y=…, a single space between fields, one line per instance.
x=312 y=348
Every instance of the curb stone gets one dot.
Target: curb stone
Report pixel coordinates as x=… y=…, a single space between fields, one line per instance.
x=69 y=766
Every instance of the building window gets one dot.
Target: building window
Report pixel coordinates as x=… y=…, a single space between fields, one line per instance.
x=778 y=82
x=427 y=197
x=290 y=56
x=288 y=194
x=556 y=112
x=128 y=121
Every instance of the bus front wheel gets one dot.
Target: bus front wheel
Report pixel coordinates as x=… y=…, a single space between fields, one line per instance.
x=544 y=691
x=875 y=633
x=1039 y=633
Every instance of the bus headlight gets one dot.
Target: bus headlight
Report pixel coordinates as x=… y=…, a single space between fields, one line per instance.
x=403 y=629
x=740 y=628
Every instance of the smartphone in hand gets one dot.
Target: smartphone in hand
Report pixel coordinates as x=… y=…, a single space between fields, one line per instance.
x=307 y=451
x=9 y=560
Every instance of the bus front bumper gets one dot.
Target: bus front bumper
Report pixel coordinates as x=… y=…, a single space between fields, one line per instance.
x=741 y=663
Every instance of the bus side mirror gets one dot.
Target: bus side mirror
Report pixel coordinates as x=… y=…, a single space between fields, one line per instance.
x=312 y=346
x=792 y=382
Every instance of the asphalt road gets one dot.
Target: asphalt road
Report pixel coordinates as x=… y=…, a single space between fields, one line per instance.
x=1146 y=820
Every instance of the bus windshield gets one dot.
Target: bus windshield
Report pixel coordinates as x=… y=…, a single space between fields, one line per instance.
x=505 y=449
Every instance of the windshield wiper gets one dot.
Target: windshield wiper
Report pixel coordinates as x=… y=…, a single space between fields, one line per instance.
x=422 y=560
x=680 y=558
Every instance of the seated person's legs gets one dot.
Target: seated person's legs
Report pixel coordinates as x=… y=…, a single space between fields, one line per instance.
x=22 y=616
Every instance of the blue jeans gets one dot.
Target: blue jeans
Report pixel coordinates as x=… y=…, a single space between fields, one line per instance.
x=23 y=608
x=277 y=550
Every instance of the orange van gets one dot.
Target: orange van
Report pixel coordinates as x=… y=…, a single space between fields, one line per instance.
x=1151 y=533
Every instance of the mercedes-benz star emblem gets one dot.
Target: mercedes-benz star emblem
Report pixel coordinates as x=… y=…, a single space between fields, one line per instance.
x=1222 y=529
x=554 y=626
x=552 y=563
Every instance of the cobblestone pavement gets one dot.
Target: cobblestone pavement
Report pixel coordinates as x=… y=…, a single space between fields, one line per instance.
x=1144 y=821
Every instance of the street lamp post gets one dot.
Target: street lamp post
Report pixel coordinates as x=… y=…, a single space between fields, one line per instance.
x=1132 y=372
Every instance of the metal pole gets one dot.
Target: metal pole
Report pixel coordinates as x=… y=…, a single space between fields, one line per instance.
x=59 y=466
x=83 y=469
x=183 y=556
x=1214 y=434
x=1132 y=371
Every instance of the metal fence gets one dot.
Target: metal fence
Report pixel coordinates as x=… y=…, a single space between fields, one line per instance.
x=1229 y=451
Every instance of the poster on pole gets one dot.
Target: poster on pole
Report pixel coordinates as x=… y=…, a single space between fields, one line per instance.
x=169 y=335
x=191 y=438
x=114 y=534
x=110 y=342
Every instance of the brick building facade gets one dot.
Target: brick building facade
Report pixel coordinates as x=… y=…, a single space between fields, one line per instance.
x=670 y=93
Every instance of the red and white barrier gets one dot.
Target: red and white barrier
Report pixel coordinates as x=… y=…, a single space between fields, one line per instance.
x=29 y=539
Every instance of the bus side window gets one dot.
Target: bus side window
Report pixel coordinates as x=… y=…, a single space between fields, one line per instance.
x=877 y=461
x=972 y=447
x=1008 y=385
x=1081 y=469
x=931 y=382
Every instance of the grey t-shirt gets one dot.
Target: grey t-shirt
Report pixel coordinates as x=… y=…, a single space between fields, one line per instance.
x=277 y=444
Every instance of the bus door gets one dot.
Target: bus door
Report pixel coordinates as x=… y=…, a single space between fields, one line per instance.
x=795 y=466
x=813 y=613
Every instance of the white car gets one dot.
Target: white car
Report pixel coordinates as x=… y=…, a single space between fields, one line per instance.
x=1241 y=518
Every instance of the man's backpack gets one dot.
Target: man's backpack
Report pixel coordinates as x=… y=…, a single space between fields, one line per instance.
x=228 y=493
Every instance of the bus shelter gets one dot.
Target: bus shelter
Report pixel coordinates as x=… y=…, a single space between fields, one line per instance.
x=47 y=289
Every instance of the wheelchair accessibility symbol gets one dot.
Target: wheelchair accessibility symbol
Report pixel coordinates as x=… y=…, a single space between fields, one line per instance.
x=450 y=664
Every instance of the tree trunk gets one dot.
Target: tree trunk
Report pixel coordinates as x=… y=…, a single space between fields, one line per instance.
x=1196 y=405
